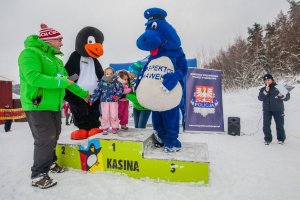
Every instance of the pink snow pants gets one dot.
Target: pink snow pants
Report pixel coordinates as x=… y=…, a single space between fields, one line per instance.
x=109 y=112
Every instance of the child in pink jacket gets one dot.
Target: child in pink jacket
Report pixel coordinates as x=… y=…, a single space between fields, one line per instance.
x=123 y=78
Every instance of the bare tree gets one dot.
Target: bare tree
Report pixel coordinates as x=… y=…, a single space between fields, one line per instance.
x=273 y=48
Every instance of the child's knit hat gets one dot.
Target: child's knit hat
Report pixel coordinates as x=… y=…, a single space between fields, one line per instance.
x=135 y=68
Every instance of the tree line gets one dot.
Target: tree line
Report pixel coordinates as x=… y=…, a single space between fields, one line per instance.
x=273 y=48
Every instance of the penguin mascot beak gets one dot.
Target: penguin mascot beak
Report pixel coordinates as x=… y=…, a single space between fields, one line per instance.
x=94 y=50
x=92 y=149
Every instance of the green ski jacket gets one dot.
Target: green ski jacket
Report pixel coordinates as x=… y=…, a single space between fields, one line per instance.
x=43 y=78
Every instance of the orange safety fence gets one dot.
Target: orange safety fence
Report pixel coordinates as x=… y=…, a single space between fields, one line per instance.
x=16 y=113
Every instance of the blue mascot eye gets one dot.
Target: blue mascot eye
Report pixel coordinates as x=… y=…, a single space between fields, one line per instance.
x=154 y=26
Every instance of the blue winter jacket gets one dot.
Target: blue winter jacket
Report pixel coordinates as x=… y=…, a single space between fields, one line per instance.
x=271 y=100
x=106 y=90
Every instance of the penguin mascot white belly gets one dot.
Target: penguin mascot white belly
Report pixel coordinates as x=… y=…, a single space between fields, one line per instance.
x=83 y=62
x=160 y=84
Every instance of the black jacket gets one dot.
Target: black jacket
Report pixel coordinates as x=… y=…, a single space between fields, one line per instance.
x=271 y=100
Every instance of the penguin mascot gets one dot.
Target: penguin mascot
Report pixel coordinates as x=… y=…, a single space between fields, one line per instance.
x=84 y=66
x=160 y=84
x=89 y=157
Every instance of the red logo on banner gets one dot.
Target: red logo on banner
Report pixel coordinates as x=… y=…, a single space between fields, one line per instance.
x=204 y=94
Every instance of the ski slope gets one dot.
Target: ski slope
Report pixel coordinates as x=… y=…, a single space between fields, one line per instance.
x=241 y=167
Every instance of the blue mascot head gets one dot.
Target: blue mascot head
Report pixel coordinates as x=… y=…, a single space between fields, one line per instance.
x=159 y=35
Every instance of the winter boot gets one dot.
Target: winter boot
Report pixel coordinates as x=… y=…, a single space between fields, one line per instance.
x=43 y=181
x=55 y=168
x=281 y=142
x=171 y=149
x=174 y=146
x=114 y=130
x=156 y=140
x=124 y=127
x=105 y=131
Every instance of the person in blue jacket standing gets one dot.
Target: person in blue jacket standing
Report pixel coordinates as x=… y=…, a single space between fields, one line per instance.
x=273 y=105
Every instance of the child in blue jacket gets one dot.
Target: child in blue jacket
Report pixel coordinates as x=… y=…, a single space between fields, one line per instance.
x=109 y=91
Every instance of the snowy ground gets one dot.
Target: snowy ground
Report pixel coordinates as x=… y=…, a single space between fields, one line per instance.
x=241 y=168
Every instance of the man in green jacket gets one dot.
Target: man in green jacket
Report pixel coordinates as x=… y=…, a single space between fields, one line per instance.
x=43 y=80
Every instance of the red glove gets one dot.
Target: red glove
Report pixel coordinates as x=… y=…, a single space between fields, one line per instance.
x=115 y=97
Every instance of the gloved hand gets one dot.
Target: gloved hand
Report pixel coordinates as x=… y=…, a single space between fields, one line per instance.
x=115 y=98
x=87 y=98
x=170 y=80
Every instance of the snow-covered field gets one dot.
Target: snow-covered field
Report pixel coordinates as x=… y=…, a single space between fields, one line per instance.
x=241 y=168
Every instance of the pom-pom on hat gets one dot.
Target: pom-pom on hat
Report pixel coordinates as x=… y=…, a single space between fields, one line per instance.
x=47 y=33
x=135 y=68
x=268 y=76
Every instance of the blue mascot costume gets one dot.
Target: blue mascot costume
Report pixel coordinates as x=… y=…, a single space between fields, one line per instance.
x=160 y=84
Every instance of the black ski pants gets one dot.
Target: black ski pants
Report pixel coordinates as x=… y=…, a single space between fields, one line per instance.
x=45 y=127
x=7 y=125
x=279 y=121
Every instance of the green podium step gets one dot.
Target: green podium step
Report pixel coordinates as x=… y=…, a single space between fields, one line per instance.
x=132 y=153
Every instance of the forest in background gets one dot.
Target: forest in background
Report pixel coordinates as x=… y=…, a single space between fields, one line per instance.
x=272 y=48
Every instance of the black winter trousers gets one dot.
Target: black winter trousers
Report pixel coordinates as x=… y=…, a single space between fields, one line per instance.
x=7 y=125
x=279 y=121
x=45 y=127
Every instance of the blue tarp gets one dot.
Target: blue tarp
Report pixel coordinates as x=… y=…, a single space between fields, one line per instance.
x=192 y=63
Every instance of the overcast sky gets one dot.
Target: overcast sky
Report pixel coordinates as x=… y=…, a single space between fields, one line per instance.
x=203 y=25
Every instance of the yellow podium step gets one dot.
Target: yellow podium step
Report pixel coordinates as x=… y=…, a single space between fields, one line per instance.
x=132 y=152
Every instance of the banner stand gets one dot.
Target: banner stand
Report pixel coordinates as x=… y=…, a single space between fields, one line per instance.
x=204 y=105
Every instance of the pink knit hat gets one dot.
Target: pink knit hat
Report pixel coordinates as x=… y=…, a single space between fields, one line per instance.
x=47 y=33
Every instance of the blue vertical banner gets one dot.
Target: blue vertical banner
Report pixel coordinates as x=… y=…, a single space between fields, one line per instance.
x=204 y=105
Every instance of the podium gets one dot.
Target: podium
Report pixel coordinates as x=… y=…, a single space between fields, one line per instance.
x=133 y=153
